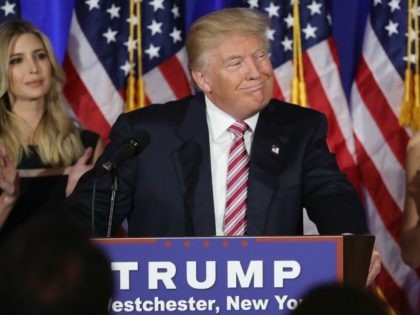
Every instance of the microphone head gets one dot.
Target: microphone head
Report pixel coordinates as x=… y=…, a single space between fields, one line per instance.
x=135 y=144
x=139 y=141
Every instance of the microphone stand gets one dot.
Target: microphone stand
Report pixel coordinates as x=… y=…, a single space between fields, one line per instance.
x=92 y=207
x=114 y=190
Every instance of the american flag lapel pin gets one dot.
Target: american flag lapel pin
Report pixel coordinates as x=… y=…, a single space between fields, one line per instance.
x=275 y=150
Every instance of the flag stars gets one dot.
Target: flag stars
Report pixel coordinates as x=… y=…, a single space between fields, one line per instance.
x=287 y=43
x=309 y=31
x=392 y=28
x=152 y=51
x=289 y=20
x=315 y=8
x=412 y=58
x=272 y=10
x=377 y=2
x=394 y=5
x=131 y=44
x=269 y=33
x=175 y=11
x=157 y=4
x=93 y=4
x=155 y=27
x=110 y=35
x=412 y=34
x=329 y=19
x=8 y=8
x=415 y=11
x=253 y=4
x=132 y=20
x=114 y=11
x=176 y=35
x=127 y=68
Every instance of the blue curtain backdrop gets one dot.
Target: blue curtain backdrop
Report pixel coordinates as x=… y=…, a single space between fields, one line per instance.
x=53 y=17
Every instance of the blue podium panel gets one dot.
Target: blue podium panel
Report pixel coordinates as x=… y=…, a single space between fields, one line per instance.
x=244 y=275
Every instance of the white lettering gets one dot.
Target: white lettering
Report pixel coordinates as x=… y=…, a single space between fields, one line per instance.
x=235 y=273
x=210 y=273
x=161 y=271
x=157 y=304
x=291 y=304
x=124 y=268
x=238 y=304
x=285 y=269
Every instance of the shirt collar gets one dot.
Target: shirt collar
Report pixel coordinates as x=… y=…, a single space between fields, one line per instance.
x=219 y=121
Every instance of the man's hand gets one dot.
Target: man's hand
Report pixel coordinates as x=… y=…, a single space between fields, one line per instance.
x=413 y=190
x=374 y=267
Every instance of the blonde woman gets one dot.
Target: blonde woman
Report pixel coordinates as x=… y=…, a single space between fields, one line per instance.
x=43 y=151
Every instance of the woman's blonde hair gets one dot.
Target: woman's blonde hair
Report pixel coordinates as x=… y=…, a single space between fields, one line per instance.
x=207 y=32
x=57 y=135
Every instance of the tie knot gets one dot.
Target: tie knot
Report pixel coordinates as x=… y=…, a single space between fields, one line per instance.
x=238 y=128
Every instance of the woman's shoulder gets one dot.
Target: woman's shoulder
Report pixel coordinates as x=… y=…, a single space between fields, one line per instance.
x=89 y=138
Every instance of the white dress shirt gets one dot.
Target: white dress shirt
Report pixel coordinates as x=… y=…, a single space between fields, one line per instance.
x=220 y=139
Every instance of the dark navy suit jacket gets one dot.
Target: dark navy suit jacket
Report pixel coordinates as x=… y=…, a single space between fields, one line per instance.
x=167 y=189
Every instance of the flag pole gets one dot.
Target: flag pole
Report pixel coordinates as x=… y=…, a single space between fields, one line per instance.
x=298 y=80
x=140 y=80
x=130 y=102
x=407 y=107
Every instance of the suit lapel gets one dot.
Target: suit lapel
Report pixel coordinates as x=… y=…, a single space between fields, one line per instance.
x=192 y=161
x=267 y=152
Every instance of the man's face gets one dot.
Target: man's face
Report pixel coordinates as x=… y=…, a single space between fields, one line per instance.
x=238 y=77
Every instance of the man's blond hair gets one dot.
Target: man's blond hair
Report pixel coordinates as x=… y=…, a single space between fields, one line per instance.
x=208 y=31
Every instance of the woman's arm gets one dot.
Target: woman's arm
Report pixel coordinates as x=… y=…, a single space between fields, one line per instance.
x=9 y=184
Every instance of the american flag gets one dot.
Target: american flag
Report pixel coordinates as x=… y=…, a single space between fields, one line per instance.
x=98 y=57
x=381 y=143
x=364 y=133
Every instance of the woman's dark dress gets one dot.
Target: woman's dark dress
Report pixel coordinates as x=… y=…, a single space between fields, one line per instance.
x=40 y=195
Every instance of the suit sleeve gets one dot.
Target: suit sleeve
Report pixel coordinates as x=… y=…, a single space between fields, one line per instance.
x=329 y=198
x=87 y=203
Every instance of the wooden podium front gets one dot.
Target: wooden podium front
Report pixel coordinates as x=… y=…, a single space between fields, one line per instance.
x=235 y=275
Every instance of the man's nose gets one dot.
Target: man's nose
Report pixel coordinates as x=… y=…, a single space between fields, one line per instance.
x=253 y=69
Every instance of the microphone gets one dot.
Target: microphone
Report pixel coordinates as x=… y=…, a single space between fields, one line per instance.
x=135 y=145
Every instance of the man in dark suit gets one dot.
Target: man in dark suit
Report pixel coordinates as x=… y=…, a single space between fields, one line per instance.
x=177 y=186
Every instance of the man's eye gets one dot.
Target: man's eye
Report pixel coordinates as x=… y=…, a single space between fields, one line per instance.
x=261 y=55
x=234 y=65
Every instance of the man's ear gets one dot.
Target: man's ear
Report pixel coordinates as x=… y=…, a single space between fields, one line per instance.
x=201 y=80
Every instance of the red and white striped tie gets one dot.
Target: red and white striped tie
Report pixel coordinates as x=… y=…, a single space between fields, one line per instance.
x=237 y=183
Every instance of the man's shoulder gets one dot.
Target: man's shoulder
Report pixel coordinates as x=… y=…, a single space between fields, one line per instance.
x=169 y=108
x=291 y=111
x=171 y=112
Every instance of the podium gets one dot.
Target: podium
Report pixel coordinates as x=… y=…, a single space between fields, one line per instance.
x=235 y=275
